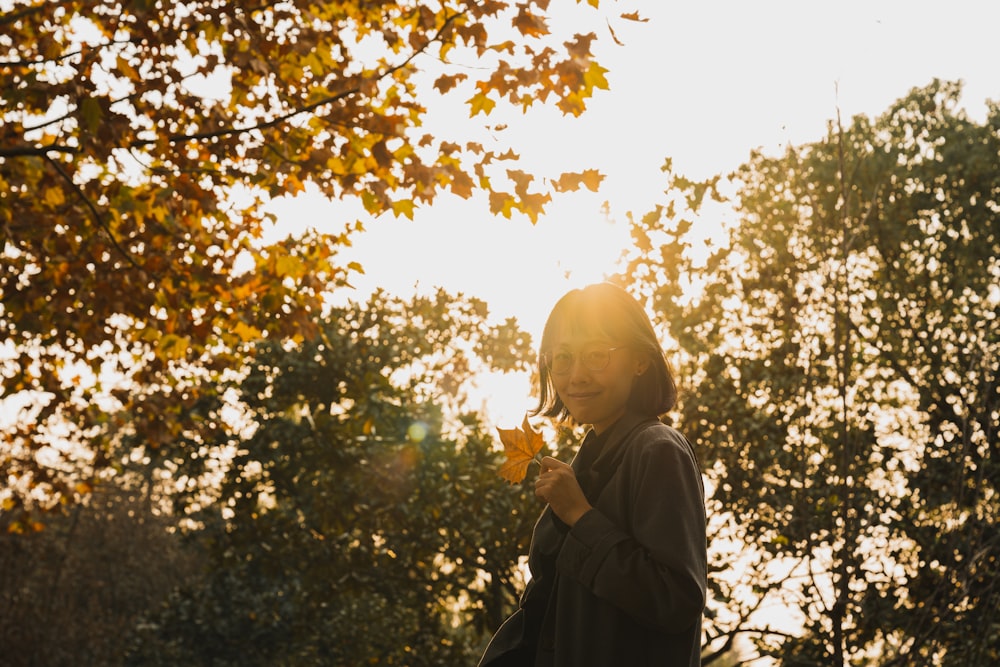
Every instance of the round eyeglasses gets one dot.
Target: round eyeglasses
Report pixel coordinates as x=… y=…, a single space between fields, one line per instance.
x=594 y=358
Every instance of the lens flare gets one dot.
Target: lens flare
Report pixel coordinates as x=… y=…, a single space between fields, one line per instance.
x=417 y=432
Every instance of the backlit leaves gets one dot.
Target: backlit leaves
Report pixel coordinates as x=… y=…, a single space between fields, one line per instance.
x=590 y=179
x=480 y=103
x=140 y=144
x=847 y=330
x=634 y=16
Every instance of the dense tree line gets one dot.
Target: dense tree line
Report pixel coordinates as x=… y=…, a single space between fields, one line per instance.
x=354 y=525
x=843 y=385
x=349 y=513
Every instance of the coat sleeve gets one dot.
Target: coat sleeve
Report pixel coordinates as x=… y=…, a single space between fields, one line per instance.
x=655 y=571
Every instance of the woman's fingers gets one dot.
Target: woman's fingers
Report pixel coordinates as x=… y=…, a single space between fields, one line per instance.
x=556 y=485
x=549 y=464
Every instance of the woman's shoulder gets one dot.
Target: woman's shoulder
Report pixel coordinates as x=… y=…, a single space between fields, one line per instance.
x=655 y=431
x=658 y=439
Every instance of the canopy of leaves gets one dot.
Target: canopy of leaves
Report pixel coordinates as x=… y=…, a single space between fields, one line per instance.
x=843 y=381
x=139 y=145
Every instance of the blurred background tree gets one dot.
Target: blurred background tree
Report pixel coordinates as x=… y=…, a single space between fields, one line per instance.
x=354 y=524
x=71 y=594
x=841 y=366
x=348 y=514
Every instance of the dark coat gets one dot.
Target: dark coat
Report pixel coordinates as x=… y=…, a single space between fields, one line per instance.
x=625 y=586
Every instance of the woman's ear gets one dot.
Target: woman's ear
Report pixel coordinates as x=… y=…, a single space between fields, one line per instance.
x=641 y=365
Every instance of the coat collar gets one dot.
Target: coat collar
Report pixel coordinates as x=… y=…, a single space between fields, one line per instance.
x=600 y=455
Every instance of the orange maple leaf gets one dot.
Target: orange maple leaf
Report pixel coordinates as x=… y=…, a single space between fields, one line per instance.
x=634 y=16
x=569 y=181
x=521 y=447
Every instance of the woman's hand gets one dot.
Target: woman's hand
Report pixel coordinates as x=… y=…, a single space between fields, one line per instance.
x=556 y=484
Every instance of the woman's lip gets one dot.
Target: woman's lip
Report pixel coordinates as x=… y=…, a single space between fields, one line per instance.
x=583 y=397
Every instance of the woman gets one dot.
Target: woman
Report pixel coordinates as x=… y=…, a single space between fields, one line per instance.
x=618 y=556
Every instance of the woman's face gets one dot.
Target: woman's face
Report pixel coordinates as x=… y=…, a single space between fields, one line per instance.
x=593 y=377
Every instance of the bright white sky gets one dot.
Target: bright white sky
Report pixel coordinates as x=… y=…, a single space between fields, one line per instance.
x=703 y=82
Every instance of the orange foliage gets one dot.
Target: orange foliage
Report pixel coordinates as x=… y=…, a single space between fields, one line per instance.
x=141 y=143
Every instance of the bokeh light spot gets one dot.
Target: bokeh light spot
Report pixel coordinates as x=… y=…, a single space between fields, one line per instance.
x=417 y=432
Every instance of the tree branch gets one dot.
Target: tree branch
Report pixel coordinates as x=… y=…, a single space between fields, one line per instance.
x=93 y=211
x=36 y=151
x=229 y=131
x=11 y=17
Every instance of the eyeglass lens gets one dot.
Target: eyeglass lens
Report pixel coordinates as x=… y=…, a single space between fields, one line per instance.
x=593 y=359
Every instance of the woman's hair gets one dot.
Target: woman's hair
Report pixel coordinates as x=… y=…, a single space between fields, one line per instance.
x=603 y=310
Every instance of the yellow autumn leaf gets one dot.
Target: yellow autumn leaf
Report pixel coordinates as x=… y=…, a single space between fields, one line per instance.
x=293 y=185
x=521 y=447
x=403 y=207
x=172 y=346
x=634 y=16
x=246 y=333
x=530 y=24
x=502 y=203
x=54 y=197
x=289 y=266
x=480 y=103
x=569 y=181
x=594 y=77
x=125 y=67
x=446 y=82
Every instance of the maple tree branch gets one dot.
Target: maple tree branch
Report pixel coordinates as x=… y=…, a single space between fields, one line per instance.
x=737 y=629
x=11 y=17
x=269 y=147
x=43 y=61
x=230 y=131
x=93 y=211
x=52 y=121
x=31 y=151
x=111 y=103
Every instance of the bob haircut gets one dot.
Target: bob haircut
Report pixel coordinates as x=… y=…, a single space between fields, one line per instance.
x=603 y=310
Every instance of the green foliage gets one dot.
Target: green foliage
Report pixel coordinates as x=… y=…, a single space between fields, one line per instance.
x=843 y=383
x=341 y=534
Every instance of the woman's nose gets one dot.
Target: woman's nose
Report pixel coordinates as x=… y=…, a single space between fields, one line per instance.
x=578 y=370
